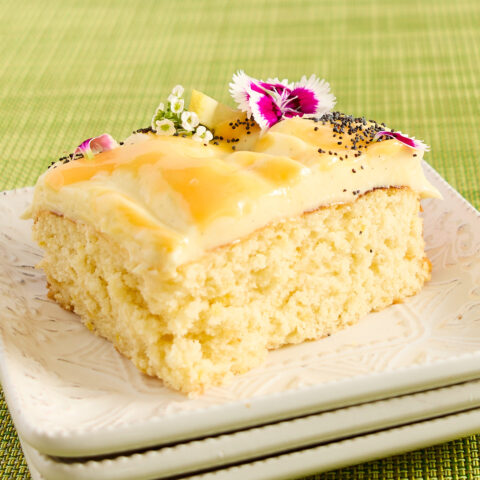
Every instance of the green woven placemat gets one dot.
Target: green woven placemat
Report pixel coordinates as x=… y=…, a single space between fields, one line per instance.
x=74 y=69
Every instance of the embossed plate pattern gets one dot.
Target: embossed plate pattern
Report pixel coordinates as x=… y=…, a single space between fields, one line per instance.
x=72 y=394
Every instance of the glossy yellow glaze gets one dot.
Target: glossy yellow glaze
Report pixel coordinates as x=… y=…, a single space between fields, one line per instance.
x=127 y=213
x=167 y=152
x=178 y=194
x=210 y=182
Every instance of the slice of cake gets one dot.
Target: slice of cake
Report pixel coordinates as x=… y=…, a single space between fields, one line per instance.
x=194 y=258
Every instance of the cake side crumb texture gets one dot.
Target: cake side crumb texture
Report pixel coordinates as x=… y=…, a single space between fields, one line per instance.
x=297 y=279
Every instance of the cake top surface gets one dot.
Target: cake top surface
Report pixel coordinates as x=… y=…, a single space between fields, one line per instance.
x=168 y=199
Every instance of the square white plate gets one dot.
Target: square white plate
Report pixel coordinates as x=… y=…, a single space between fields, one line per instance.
x=252 y=444
x=353 y=451
x=71 y=394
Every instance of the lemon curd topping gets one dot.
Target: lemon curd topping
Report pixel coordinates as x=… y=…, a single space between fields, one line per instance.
x=168 y=194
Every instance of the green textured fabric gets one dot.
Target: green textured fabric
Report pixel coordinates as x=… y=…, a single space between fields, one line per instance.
x=71 y=69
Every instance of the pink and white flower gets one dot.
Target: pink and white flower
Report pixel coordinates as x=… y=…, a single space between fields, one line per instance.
x=273 y=100
x=90 y=147
x=407 y=141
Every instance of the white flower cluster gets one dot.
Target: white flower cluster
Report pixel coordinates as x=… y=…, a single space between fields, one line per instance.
x=174 y=120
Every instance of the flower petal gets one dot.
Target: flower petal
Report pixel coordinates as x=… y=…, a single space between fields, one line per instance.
x=202 y=135
x=201 y=130
x=407 y=141
x=177 y=91
x=303 y=101
x=84 y=148
x=320 y=90
x=277 y=89
x=265 y=110
x=165 y=127
x=103 y=143
x=284 y=82
x=95 y=145
x=189 y=120
x=176 y=105
x=208 y=136
x=240 y=88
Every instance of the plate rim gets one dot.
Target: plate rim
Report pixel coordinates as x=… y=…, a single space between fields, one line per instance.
x=164 y=462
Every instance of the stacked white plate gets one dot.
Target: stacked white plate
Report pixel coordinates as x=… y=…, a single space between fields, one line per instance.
x=401 y=379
